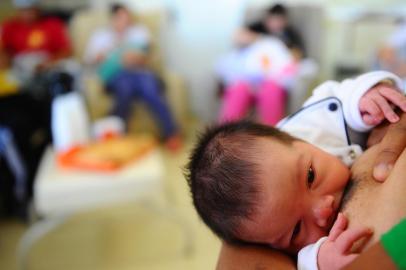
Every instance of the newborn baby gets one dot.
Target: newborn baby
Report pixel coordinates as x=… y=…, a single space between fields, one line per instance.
x=257 y=184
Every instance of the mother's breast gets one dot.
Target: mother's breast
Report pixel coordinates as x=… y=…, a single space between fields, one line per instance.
x=372 y=204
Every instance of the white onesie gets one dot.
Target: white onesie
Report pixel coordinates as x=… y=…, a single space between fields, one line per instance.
x=323 y=121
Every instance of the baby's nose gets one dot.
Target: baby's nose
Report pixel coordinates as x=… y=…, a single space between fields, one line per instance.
x=323 y=210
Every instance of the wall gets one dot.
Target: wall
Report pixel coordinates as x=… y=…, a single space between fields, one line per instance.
x=200 y=31
x=197 y=32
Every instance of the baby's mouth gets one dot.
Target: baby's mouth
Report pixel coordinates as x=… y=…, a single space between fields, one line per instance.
x=332 y=219
x=334 y=214
x=339 y=202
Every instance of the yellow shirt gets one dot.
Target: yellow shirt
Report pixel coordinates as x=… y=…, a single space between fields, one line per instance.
x=8 y=84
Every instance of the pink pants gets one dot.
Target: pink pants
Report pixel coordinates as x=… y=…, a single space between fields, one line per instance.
x=269 y=100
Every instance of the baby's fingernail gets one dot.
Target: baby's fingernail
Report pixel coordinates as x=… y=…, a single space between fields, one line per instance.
x=394 y=117
x=381 y=171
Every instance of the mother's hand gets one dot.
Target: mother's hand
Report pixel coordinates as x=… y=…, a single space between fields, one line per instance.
x=392 y=141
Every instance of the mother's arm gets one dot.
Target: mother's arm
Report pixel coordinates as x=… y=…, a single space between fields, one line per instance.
x=392 y=141
x=375 y=258
x=252 y=258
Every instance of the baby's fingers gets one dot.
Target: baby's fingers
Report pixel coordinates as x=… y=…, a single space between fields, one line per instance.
x=371 y=120
x=394 y=97
x=349 y=237
x=348 y=259
x=386 y=108
x=339 y=226
x=372 y=114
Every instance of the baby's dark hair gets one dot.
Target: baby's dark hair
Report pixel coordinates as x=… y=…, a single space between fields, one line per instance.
x=222 y=175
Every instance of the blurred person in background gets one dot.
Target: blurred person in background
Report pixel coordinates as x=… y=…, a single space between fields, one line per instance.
x=392 y=55
x=119 y=53
x=32 y=47
x=8 y=82
x=261 y=67
x=36 y=47
x=276 y=24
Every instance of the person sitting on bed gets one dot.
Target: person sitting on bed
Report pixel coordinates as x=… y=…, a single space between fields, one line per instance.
x=236 y=170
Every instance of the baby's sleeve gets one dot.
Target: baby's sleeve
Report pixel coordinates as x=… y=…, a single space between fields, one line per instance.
x=307 y=257
x=350 y=92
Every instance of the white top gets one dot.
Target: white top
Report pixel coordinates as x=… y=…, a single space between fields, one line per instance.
x=105 y=40
x=268 y=57
x=398 y=38
x=323 y=122
x=333 y=106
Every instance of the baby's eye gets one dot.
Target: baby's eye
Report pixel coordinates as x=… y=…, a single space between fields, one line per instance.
x=310 y=177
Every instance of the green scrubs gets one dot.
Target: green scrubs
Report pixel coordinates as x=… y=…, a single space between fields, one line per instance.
x=394 y=243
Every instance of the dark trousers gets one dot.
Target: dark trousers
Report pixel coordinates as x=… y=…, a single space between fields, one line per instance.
x=130 y=85
x=28 y=120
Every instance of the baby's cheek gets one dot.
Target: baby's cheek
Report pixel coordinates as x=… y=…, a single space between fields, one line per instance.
x=308 y=239
x=342 y=176
x=314 y=235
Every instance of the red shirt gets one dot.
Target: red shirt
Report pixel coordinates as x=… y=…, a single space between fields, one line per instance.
x=45 y=35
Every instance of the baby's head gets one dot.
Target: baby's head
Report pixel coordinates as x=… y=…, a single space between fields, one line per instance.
x=255 y=184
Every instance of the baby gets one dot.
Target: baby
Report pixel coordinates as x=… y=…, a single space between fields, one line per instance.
x=256 y=184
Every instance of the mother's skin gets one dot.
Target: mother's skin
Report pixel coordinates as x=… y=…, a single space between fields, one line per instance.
x=372 y=204
x=376 y=205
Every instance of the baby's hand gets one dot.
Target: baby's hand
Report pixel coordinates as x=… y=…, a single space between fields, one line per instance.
x=335 y=252
x=378 y=103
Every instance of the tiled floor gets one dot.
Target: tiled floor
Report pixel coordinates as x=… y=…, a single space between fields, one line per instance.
x=123 y=237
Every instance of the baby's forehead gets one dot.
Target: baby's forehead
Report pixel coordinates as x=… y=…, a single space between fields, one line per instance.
x=264 y=147
x=248 y=143
x=240 y=145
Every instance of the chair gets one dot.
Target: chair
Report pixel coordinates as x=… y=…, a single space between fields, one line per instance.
x=82 y=24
